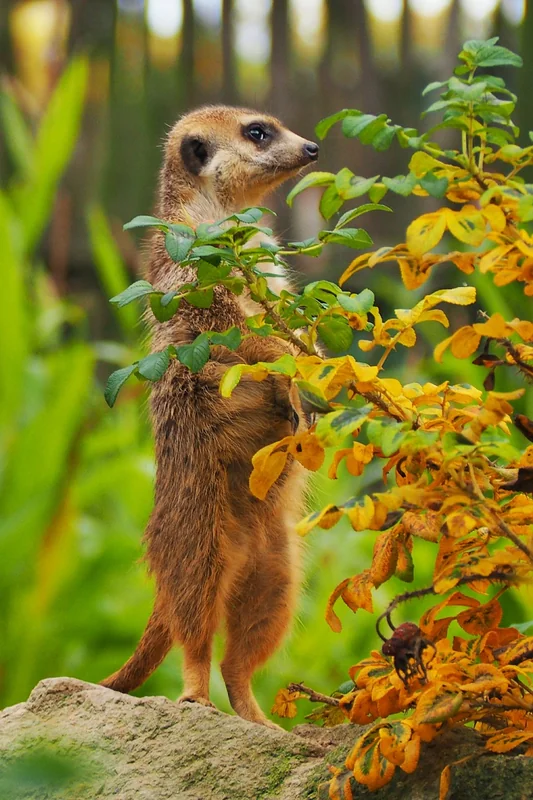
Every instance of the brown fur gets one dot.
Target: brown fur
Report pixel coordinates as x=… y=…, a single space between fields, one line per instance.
x=217 y=553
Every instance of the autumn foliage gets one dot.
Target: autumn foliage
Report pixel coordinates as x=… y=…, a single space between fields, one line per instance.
x=456 y=460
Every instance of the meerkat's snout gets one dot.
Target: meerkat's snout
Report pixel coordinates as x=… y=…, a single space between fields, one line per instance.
x=311 y=150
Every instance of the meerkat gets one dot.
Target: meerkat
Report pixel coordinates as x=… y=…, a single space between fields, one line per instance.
x=217 y=553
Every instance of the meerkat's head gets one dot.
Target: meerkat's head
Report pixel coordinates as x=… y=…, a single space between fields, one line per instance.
x=233 y=156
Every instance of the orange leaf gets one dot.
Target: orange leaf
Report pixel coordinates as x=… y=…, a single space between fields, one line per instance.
x=268 y=465
x=284 y=705
x=331 y=618
x=508 y=739
x=478 y=620
x=438 y=706
x=358 y=592
x=384 y=558
x=445 y=782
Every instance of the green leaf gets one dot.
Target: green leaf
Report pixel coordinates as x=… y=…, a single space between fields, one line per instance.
x=154 y=366
x=383 y=139
x=467 y=91
x=336 y=334
x=349 y=185
x=200 y=298
x=387 y=434
x=317 y=288
x=486 y=54
x=285 y=364
x=133 y=292
x=54 y=144
x=353 y=126
x=194 y=355
x=164 y=306
x=348 y=216
x=434 y=85
x=116 y=381
x=376 y=192
x=18 y=138
x=330 y=202
x=357 y=303
x=325 y=124
x=249 y=215
x=333 y=428
x=261 y=329
x=144 y=221
x=436 y=187
x=312 y=396
x=209 y=273
x=401 y=184
x=351 y=237
x=312 y=179
x=177 y=246
x=230 y=338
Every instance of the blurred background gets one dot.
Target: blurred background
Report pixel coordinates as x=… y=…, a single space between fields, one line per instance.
x=88 y=90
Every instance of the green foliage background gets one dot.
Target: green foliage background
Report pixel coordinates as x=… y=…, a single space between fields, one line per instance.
x=77 y=478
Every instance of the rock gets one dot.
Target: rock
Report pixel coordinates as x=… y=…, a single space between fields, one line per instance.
x=78 y=741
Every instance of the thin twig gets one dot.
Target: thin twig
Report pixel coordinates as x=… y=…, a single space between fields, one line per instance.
x=315 y=697
x=506 y=530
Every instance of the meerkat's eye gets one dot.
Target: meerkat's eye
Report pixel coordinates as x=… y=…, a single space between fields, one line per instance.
x=257 y=133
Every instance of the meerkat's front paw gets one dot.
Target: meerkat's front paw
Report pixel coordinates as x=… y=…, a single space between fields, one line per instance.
x=192 y=698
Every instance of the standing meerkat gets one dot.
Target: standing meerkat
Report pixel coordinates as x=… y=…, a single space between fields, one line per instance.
x=217 y=553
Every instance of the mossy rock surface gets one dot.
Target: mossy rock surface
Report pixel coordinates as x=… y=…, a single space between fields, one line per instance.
x=77 y=741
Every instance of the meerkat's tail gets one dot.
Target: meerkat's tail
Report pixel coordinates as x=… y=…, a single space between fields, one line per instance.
x=155 y=643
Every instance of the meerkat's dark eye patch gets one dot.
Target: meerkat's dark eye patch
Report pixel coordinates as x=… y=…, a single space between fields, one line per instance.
x=259 y=133
x=195 y=153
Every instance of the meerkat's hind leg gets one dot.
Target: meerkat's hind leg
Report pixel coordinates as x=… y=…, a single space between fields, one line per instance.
x=259 y=611
x=196 y=671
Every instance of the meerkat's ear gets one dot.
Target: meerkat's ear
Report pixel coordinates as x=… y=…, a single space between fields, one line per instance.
x=194 y=153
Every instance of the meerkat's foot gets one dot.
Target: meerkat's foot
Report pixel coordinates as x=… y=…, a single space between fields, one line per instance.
x=193 y=698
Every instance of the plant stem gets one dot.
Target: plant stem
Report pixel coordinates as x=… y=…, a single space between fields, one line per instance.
x=315 y=697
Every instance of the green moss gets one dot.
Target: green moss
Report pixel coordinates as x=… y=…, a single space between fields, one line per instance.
x=282 y=766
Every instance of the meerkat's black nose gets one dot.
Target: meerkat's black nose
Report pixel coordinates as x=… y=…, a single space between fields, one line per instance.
x=311 y=150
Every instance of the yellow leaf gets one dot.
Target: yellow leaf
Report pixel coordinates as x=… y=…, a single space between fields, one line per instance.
x=436 y=315
x=306 y=449
x=459 y=296
x=425 y=232
x=371 y=769
x=464 y=342
x=467 y=225
x=421 y=163
x=230 y=379
x=268 y=465
x=440 y=348
x=358 y=263
x=414 y=271
x=358 y=457
x=495 y=327
x=437 y=706
x=360 y=516
x=485 y=678
x=495 y=217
